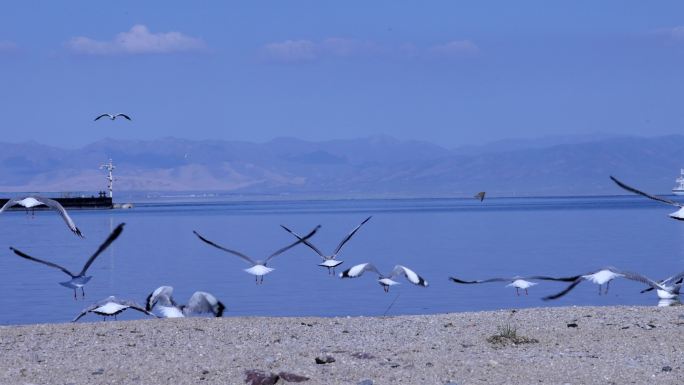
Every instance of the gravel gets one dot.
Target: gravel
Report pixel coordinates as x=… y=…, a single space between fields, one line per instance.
x=609 y=345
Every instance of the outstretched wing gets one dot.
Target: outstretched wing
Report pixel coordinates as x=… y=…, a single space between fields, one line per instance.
x=124 y=115
x=86 y=311
x=111 y=238
x=647 y=195
x=358 y=270
x=676 y=279
x=409 y=274
x=300 y=240
x=53 y=204
x=564 y=291
x=236 y=253
x=457 y=280
x=314 y=248
x=163 y=294
x=348 y=237
x=24 y=255
x=103 y=115
x=9 y=204
x=546 y=278
x=134 y=305
x=203 y=302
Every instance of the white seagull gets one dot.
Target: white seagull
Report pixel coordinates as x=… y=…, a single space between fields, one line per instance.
x=259 y=268
x=112 y=117
x=679 y=214
x=200 y=302
x=518 y=282
x=111 y=306
x=604 y=276
x=77 y=280
x=329 y=261
x=673 y=285
x=31 y=202
x=385 y=280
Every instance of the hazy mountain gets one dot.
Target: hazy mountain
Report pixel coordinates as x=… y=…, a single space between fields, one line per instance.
x=377 y=166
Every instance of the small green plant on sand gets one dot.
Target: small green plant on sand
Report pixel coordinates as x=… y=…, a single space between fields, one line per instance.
x=508 y=334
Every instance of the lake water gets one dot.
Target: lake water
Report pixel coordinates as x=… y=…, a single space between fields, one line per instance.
x=435 y=237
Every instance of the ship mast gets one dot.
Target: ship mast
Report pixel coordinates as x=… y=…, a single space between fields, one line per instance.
x=110 y=180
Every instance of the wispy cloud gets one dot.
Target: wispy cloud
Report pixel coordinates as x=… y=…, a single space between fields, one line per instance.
x=309 y=50
x=138 y=40
x=455 y=48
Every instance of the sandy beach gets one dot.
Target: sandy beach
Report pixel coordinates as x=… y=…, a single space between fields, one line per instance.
x=571 y=345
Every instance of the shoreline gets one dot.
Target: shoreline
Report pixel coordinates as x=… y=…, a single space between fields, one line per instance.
x=557 y=345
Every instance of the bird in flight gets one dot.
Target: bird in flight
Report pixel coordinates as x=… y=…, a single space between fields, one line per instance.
x=112 y=117
x=31 y=202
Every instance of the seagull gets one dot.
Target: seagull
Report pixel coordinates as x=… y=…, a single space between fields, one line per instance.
x=329 y=261
x=77 y=280
x=606 y=275
x=679 y=214
x=200 y=302
x=518 y=282
x=111 y=306
x=673 y=284
x=112 y=117
x=31 y=202
x=385 y=280
x=480 y=196
x=259 y=268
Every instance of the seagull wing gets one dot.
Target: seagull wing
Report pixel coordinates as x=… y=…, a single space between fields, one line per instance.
x=300 y=240
x=53 y=204
x=134 y=305
x=546 y=278
x=314 y=248
x=237 y=253
x=409 y=274
x=103 y=115
x=124 y=115
x=358 y=270
x=111 y=238
x=24 y=255
x=86 y=311
x=482 y=280
x=203 y=302
x=163 y=294
x=565 y=291
x=9 y=204
x=647 y=195
x=480 y=196
x=348 y=237
x=643 y=279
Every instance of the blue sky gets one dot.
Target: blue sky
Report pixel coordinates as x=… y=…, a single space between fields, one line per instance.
x=451 y=72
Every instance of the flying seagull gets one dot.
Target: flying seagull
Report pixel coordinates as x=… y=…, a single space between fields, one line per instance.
x=329 y=261
x=111 y=306
x=259 y=268
x=480 y=196
x=112 y=117
x=518 y=282
x=679 y=214
x=200 y=302
x=673 y=284
x=604 y=276
x=77 y=280
x=31 y=202
x=385 y=280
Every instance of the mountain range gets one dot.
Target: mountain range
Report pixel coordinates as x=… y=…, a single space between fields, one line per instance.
x=378 y=166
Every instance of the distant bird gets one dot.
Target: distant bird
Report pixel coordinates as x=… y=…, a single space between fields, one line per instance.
x=480 y=196
x=259 y=268
x=329 y=261
x=200 y=302
x=30 y=202
x=112 y=117
x=111 y=306
x=77 y=280
x=673 y=284
x=679 y=214
x=604 y=276
x=518 y=282
x=385 y=280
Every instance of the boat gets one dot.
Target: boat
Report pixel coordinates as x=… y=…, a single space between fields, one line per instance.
x=103 y=200
x=679 y=187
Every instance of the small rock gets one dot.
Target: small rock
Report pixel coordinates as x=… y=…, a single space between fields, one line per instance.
x=259 y=377
x=291 y=377
x=325 y=360
x=493 y=363
x=363 y=356
x=572 y=325
x=365 y=382
x=667 y=368
x=429 y=364
x=98 y=372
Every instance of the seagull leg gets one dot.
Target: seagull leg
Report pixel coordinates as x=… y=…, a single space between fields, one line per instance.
x=75 y=298
x=525 y=291
x=517 y=292
x=262 y=279
x=386 y=288
x=256 y=279
x=607 y=286
x=599 y=289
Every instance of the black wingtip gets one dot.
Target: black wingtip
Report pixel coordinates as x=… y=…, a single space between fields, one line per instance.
x=147 y=302
x=221 y=308
x=78 y=232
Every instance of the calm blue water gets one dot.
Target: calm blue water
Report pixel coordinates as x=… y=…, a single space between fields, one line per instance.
x=435 y=237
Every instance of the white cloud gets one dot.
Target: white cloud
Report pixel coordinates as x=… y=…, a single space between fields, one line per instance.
x=138 y=40
x=455 y=48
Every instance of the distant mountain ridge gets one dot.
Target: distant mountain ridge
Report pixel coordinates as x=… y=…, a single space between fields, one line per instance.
x=377 y=166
